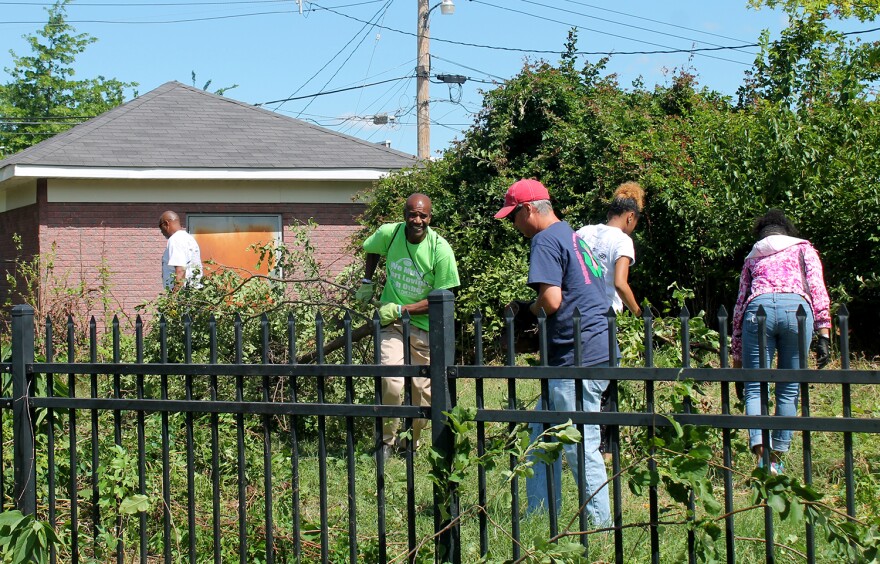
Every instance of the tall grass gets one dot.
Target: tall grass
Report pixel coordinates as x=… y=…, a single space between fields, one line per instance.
x=118 y=481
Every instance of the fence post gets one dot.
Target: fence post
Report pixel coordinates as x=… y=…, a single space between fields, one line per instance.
x=25 y=475
x=442 y=342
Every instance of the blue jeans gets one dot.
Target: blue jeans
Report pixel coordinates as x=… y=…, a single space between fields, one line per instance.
x=562 y=398
x=782 y=341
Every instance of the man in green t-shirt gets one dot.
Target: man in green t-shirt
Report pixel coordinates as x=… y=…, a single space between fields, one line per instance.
x=417 y=261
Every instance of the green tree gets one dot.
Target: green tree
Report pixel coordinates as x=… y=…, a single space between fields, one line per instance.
x=43 y=98
x=861 y=9
x=811 y=100
x=802 y=136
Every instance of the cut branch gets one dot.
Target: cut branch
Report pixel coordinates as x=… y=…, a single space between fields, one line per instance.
x=337 y=343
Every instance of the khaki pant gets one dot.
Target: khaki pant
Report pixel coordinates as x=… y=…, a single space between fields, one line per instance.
x=392 y=387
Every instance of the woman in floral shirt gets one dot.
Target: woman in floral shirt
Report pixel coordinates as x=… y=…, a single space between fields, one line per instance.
x=780 y=273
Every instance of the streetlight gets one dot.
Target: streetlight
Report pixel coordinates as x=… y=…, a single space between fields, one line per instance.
x=423 y=72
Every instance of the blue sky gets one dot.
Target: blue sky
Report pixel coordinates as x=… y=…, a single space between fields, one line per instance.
x=273 y=52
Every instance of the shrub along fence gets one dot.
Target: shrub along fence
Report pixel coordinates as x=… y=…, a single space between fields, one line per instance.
x=135 y=461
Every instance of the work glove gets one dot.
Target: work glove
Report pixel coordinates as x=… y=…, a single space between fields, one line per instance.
x=365 y=292
x=823 y=351
x=389 y=313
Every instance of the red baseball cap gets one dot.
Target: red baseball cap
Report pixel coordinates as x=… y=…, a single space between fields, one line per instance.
x=520 y=192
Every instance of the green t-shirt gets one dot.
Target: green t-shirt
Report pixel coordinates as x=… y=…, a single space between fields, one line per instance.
x=412 y=271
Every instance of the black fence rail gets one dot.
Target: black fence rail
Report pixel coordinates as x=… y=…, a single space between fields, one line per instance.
x=207 y=461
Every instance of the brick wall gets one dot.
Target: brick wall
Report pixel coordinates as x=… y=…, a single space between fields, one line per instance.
x=124 y=239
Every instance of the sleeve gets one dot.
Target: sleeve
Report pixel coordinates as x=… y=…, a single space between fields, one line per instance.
x=545 y=265
x=821 y=302
x=623 y=247
x=445 y=269
x=745 y=285
x=177 y=252
x=379 y=242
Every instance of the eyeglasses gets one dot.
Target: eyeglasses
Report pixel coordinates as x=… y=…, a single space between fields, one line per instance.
x=512 y=215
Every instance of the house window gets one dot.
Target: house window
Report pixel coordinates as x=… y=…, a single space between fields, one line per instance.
x=227 y=239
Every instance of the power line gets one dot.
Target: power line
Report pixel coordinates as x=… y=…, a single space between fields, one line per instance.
x=166 y=4
x=377 y=75
x=650 y=20
x=457 y=79
x=468 y=68
x=37 y=122
x=357 y=87
x=31 y=133
x=157 y=22
x=147 y=4
x=553 y=51
x=649 y=30
x=46 y=118
x=469 y=111
x=333 y=58
x=559 y=52
x=175 y=21
x=310 y=9
x=861 y=31
x=326 y=92
x=335 y=121
x=608 y=33
x=385 y=98
x=369 y=64
x=433 y=122
x=383 y=10
x=388 y=94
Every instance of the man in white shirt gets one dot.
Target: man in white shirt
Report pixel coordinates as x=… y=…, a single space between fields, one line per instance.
x=182 y=260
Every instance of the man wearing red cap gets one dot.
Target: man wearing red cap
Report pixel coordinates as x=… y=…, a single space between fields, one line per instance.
x=567 y=277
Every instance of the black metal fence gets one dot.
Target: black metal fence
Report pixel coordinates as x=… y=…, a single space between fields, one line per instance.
x=292 y=500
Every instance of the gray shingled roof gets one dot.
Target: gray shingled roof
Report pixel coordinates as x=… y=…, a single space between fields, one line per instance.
x=176 y=126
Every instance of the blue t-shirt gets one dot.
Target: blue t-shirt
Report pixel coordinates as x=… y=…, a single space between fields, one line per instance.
x=560 y=258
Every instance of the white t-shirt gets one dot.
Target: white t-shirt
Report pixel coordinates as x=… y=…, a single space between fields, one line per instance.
x=182 y=250
x=609 y=244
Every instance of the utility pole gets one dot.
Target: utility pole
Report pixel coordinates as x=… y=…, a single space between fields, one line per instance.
x=423 y=74
x=423 y=71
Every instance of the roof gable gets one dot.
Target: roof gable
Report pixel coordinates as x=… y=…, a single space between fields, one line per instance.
x=177 y=126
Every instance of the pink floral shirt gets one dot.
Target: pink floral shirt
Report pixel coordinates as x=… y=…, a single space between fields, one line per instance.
x=768 y=271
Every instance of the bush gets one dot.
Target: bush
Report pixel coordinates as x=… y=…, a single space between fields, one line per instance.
x=709 y=166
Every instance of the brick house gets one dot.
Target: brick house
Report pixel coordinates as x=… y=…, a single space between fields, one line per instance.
x=92 y=196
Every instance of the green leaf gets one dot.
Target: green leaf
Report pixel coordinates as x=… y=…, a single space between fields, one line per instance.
x=24 y=546
x=690 y=469
x=547 y=452
x=779 y=503
x=712 y=505
x=135 y=504
x=569 y=435
x=678 y=492
x=793 y=513
x=701 y=452
x=11 y=519
x=806 y=492
x=712 y=530
x=639 y=478
x=675 y=425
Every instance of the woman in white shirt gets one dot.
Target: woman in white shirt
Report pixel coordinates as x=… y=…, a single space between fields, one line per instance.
x=613 y=248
